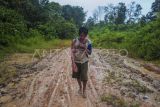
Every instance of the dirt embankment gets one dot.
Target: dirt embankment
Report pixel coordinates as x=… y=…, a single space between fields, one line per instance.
x=114 y=81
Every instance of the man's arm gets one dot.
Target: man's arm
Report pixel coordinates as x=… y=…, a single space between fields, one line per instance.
x=72 y=50
x=89 y=49
x=74 y=67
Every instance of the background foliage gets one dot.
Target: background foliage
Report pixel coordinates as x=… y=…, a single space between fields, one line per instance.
x=26 y=23
x=125 y=27
x=21 y=21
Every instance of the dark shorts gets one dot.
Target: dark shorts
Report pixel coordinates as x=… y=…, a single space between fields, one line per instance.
x=82 y=71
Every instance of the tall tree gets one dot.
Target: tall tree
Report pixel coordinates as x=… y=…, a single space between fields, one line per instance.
x=155 y=9
x=99 y=12
x=133 y=12
x=150 y=16
x=138 y=12
x=53 y=10
x=156 y=6
x=74 y=14
x=110 y=14
x=90 y=22
x=32 y=10
x=143 y=20
x=44 y=2
x=95 y=16
x=121 y=13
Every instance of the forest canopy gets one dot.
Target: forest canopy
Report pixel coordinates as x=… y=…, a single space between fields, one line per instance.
x=49 y=18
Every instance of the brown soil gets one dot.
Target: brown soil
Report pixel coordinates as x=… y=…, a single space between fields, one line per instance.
x=123 y=78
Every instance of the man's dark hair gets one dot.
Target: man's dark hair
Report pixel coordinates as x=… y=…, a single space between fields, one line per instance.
x=83 y=30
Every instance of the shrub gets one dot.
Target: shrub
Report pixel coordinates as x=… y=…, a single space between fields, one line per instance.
x=11 y=23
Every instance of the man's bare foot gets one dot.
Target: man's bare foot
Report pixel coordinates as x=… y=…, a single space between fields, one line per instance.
x=84 y=95
x=80 y=91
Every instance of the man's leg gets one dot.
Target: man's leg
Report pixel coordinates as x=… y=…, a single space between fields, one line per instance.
x=80 y=85
x=84 y=89
x=84 y=77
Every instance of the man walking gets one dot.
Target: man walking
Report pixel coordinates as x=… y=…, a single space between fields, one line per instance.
x=81 y=48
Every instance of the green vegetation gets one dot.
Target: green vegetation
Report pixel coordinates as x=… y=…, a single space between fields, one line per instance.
x=143 y=42
x=30 y=44
x=26 y=25
x=137 y=87
x=146 y=42
x=116 y=101
x=112 y=78
x=126 y=28
x=29 y=24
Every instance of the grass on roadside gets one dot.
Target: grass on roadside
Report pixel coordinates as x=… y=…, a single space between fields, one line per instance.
x=29 y=45
x=116 y=101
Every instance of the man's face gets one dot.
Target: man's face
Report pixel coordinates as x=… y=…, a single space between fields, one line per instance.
x=82 y=36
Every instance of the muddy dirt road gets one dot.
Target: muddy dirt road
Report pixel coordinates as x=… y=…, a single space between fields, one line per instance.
x=114 y=81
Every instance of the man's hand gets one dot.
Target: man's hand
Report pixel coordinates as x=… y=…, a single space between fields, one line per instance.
x=82 y=45
x=74 y=50
x=74 y=67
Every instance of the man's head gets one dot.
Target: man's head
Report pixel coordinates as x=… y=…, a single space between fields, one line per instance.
x=83 y=32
